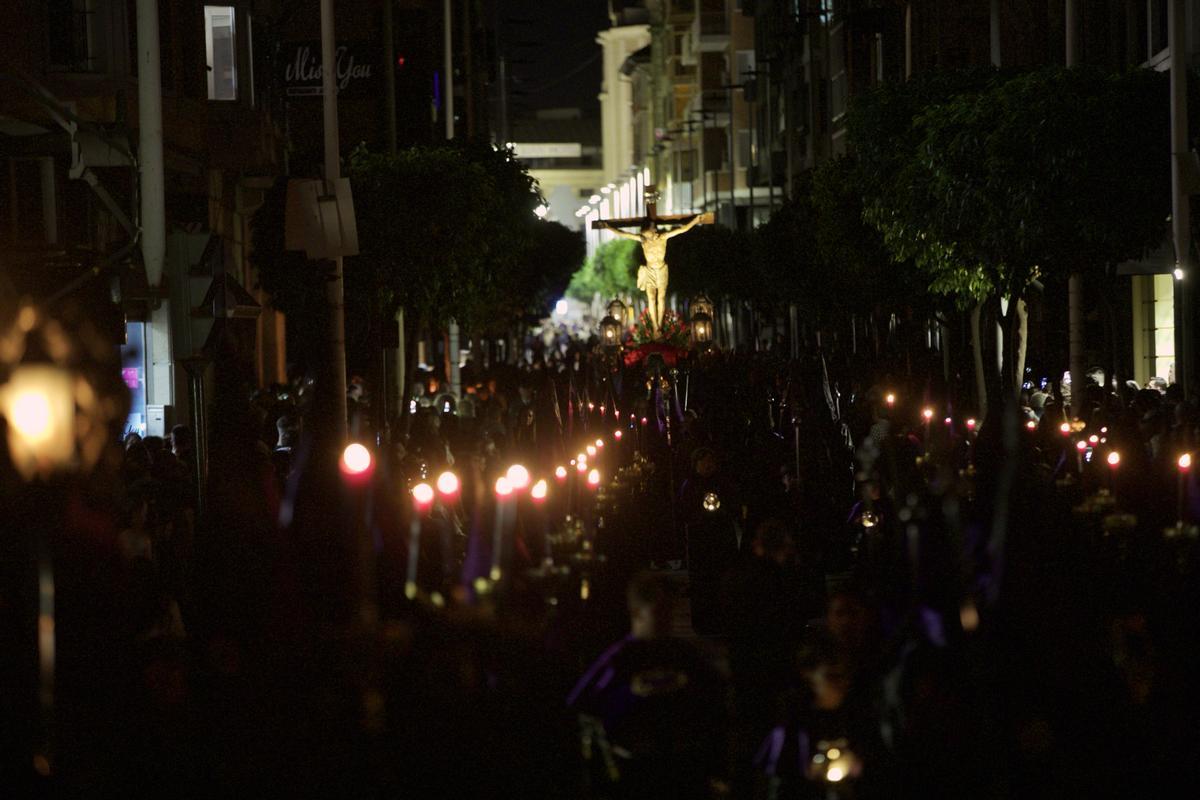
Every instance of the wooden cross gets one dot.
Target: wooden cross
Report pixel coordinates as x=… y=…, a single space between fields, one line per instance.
x=652 y=278
x=652 y=216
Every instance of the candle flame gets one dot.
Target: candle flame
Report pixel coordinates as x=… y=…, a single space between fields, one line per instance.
x=423 y=494
x=356 y=459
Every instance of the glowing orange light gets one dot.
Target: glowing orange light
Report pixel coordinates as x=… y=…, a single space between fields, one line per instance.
x=560 y=472
x=1081 y=445
x=927 y=414
x=447 y=483
x=599 y=443
x=949 y=421
x=1185 y=462
x=1031 y=425
x=423 y=494
x=539 y=490
x=617 y=434
x=1065 y=428
x=593 y=478
x=356 y=459
x=1114 y=458
x=518 y=477
x=503 y=487
x=971 y=424
x=890 y=399
x=591 y=450
x=1094 y=439
x=581 y=466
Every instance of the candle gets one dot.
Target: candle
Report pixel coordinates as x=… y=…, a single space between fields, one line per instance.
x=422 y=495
x=447 y=486
x=1114 y=459
x=504 y=491
x=538 y=493
x=1185 y=464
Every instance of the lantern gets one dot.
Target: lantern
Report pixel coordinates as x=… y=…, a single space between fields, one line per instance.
x=54 y=397
x=38 y=402
x=617 y=310
x=610 y=331
x=702 y=320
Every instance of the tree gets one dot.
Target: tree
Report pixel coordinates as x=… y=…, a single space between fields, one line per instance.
x=611 y=271
x=1044 y=175
x=988 y=181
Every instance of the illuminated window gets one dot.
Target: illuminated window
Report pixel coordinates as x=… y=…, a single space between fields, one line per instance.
x=220 y=47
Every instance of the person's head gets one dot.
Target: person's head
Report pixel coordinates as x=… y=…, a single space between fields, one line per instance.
x=847 y=618
x=826 y=675
x=650 y=604
x=774 y=541
x=705 y=462
x=181 y=439
x=288 y=427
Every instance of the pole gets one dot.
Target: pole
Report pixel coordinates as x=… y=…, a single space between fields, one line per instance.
x=752 y=111
x=1071 y=17
x=730 y=136
x=1180 y=210
x=770 y=145
x=333 y=171
x=994 y=31
x=448 y=68
x=150 y=143
x=504 y=138
x=389 y=74
x=1075 y=281
x=908 y=31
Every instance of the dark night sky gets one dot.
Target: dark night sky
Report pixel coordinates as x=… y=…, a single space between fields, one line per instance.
x=559 y=41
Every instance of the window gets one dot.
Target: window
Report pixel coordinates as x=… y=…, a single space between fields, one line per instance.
x=220 y=47
x=72 y=35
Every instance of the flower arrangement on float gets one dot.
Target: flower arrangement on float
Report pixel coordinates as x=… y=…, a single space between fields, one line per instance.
x=671 y=342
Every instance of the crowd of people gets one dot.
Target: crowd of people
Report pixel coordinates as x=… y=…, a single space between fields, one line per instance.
x=797 y=579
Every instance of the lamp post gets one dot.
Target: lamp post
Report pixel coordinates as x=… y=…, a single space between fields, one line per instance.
x=58 y=397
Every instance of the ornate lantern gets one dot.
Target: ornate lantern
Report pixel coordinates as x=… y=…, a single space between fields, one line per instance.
x=610 y=326
x=702 y=320
x=56 y=410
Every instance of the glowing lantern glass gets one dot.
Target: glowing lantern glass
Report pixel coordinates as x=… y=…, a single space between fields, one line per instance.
x=610 y=332
x=539 y=490
x=711 y=502
x=38 y=403
x=617 y=310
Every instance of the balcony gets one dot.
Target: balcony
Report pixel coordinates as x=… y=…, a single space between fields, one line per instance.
x=710 y=32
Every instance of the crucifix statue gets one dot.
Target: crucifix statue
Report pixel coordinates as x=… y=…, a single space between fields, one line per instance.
x=653 y=233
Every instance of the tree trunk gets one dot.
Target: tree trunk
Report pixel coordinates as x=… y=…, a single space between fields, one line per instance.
x=977 y=353
x=414 y=325
x=1075 y=340
x=1021 y=345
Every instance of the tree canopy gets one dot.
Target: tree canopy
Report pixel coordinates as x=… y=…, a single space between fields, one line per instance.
x=610 y=271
